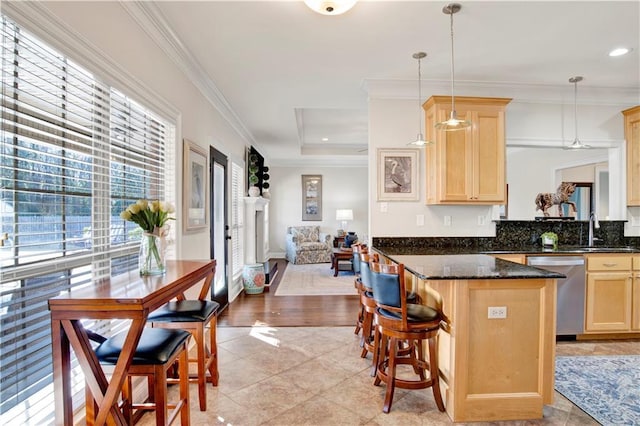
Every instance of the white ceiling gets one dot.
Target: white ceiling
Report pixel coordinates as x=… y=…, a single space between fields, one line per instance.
x=291 y=76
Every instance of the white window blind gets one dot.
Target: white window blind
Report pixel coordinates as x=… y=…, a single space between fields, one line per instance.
x=237 y=218
x=74 y=153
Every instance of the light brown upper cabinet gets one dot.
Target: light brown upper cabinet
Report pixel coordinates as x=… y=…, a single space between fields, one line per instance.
x=632 y=136
x=466 y=166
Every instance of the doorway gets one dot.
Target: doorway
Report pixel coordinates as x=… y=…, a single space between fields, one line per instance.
x=219 y=227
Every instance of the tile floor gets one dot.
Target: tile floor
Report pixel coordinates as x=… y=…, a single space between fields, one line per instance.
x=315 y=376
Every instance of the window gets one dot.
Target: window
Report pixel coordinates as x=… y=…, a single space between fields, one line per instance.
x=74 y=153
x=237 y=219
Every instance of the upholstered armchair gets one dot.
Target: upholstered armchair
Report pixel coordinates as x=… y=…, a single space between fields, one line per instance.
x=306 y=244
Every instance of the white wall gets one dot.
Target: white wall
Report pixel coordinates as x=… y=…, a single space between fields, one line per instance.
x=149 y=69
x=392 y=124
x=342 y=188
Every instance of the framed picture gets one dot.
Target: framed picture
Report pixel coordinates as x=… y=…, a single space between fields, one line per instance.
x=398 y=174
x=311 y=197
x=194 y=191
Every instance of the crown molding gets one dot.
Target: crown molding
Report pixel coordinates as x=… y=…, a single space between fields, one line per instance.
x=152 y=21
x=519 y=92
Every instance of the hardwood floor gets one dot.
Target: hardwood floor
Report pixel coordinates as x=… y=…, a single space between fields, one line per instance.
x=289 y=311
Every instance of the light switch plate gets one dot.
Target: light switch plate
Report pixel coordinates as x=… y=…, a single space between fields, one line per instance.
x=420 y=219
x=447 y=221
x=383 y=207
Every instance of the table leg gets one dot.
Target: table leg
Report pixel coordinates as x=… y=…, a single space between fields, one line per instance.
x=105 y=393
x=334 y=261
x=61 y=374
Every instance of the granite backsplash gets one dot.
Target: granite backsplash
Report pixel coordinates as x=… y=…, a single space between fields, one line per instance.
x=522 y=234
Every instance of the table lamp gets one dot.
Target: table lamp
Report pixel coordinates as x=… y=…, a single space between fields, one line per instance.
x=344 y=215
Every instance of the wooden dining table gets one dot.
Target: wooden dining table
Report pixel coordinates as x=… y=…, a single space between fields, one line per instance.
x=126 y=296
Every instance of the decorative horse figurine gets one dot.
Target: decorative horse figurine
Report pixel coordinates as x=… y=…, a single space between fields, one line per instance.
x=548 y=199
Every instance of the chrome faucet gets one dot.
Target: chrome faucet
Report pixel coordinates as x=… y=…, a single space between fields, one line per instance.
x=593 y=223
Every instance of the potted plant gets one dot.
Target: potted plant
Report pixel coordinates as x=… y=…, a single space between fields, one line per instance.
x=254 y=191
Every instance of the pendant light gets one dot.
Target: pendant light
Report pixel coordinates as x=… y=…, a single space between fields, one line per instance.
x=453 y=123
x=330 y=7
x=419 y=142
x=576 y=142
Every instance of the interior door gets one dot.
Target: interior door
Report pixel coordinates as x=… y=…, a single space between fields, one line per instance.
x=219 y=227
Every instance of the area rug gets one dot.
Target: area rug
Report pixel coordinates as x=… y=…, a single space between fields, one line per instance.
x=605 y=387
x=315 y=280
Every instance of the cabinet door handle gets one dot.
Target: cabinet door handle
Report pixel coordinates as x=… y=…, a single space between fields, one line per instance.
x=609 y=265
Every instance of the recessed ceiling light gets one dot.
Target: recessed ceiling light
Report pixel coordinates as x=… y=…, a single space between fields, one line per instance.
x=619 y=51
x=325 y=139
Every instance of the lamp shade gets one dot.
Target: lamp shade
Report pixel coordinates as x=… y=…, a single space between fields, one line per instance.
x=344 y=214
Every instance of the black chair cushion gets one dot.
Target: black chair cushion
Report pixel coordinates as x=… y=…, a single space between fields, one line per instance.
x=184 y=311
x=415 y=313
x=156 y=346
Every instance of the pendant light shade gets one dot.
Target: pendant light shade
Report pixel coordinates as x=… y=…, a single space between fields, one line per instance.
x=453 y=123
x=576 y=144
x=420 y=141
x=330 y=7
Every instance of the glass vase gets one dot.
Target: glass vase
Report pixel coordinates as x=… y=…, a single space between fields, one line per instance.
x=151 y=260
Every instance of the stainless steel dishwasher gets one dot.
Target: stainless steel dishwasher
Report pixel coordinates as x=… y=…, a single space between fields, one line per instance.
x=571 y=290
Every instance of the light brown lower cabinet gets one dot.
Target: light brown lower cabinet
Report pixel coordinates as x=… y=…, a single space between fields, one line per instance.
x=612 y=288
x=496 y=369
x=635 y=290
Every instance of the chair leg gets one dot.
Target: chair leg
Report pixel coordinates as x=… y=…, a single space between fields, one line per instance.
x=213 y=354
x=200 y=360
x=433 y=371
x=391 y=376
x=366 y=333
x=383 y=353
x=376 y=349
x=160 y=394
x=185 y=417
x=359 y=320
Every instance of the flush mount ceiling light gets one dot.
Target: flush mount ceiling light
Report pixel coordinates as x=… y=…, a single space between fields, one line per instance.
x=576 y=144
x=619 y=51
x=330 y=7
x=420 y=138
x=453 y=123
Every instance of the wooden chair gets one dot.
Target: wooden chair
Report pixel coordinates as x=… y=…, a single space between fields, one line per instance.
x=368 y=305
x=357 y=249
x=400 y=323
x=156 y=353
x=194 y=316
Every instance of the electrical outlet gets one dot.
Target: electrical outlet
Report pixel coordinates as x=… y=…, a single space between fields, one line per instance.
x=420 y=219
x=447 y=221
x=383 y=207
x=635 y=220
x=497 y=312
x=480 y=220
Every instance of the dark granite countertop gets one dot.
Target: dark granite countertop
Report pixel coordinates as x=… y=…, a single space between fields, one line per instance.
x=528 y=250
x=464 y=267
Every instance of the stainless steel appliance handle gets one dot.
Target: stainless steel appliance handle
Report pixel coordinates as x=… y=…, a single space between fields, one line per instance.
x=555 y=260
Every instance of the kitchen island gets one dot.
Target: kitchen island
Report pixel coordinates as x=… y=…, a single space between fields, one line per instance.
x=497 y=351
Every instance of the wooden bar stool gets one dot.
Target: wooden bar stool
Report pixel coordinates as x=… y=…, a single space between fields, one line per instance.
x=357 y=249
x=400 y=324
x=156 y=353
x=194 y=316
x=369 y=307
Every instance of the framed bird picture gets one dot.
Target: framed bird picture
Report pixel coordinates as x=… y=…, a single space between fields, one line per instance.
x=398 y=174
